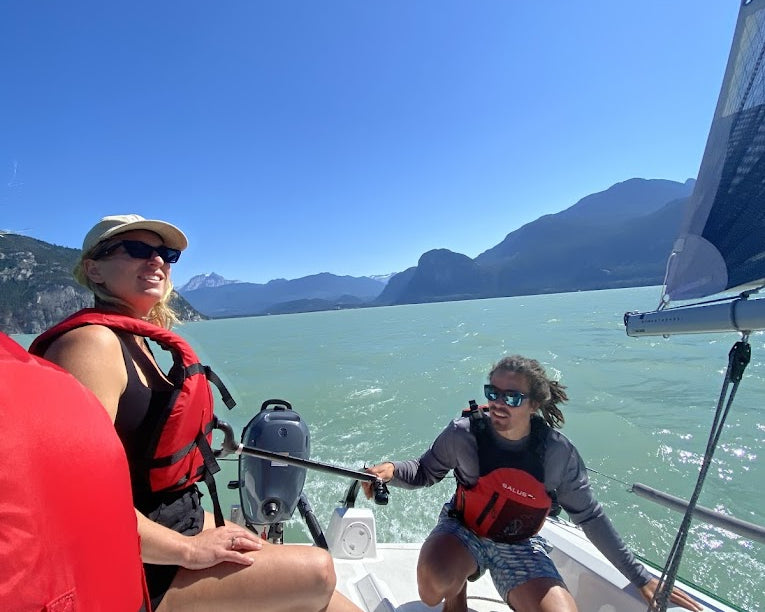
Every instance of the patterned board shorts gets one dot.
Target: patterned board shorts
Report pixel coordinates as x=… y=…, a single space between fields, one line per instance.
x=509 y=565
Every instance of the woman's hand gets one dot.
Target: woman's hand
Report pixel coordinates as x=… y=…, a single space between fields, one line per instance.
x=228 y=543
x=677 y=597
x=384 y=471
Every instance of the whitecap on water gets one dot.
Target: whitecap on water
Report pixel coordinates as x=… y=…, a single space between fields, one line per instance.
x=364 y=393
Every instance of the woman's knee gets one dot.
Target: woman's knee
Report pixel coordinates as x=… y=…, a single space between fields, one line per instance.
x=319 y=566
x=288 y=577
x=327 y=570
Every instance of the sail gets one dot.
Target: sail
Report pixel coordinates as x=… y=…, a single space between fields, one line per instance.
x=721 y=245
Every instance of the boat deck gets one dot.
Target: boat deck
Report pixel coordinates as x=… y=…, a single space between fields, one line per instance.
x=386 y=580
x=387 y=583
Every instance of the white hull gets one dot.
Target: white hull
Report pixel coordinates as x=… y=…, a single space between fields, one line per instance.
x=385 y=579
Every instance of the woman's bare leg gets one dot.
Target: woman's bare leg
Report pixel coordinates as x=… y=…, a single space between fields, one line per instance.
x=340 y=603
x=282 y=578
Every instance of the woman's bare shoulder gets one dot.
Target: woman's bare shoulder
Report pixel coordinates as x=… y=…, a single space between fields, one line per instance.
x=93 y=355
x=96 y=341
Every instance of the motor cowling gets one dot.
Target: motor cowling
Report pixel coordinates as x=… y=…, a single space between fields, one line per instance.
x=270 y=490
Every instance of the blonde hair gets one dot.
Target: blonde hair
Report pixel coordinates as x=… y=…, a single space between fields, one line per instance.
x=547 y=393
x=161 y=314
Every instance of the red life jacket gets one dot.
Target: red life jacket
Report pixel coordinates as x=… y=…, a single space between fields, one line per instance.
x=509 y=503
x=179 y=448
x=68 y=543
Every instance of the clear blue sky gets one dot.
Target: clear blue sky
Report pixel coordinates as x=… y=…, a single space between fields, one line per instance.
x=289 y=137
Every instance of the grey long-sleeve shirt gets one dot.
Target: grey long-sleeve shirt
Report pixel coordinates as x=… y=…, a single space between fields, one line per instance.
x=456 y=449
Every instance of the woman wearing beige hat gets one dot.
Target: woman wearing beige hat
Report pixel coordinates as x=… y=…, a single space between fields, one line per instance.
x=163 y=421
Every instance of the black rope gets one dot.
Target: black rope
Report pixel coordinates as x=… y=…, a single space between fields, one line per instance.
x=614 y=478
x=738 y=358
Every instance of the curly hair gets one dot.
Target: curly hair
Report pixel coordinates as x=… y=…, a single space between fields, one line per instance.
x=548 y=393
x=161 y=314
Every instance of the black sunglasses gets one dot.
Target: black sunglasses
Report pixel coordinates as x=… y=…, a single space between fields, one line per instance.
x=140 y=250
x=509 y=396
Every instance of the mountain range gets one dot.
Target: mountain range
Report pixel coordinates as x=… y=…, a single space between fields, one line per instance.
x=219 y=298
x=619 y=237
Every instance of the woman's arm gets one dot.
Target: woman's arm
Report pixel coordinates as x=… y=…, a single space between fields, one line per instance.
x=209 y=547
x=93 y=355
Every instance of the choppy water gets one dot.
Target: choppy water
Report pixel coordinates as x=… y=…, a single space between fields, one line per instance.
x=381 y=383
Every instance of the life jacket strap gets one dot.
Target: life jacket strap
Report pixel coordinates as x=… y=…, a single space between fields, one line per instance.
x=198 y=368
x=181 y=453
x=476 y=415
x=211 y=468
x=224 y=393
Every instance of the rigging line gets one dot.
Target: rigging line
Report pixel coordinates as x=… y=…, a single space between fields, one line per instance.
x=666 y=582
x=614 y=478
x=663 y=299
x=738 y=358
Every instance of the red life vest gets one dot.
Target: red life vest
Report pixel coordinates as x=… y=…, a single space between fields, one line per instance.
x=509 y=502
x=69 y=542
x=179 y=449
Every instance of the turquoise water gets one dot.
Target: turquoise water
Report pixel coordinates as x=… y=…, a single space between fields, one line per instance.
x=381 y=383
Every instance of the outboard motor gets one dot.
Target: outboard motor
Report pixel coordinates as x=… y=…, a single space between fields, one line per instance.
x=270 y=490
x=273 y=458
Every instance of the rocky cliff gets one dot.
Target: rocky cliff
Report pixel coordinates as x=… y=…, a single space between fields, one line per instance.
x=37 y=288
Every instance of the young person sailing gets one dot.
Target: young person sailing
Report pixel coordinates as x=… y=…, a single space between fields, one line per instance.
x=517 y=445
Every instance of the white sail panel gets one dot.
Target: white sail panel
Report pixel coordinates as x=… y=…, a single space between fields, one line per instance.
x=721 y=245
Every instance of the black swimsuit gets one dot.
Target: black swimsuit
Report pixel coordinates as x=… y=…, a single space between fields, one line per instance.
x=181 y=510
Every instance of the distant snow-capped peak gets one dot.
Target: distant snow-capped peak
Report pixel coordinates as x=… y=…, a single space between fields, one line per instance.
x=200 y=281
